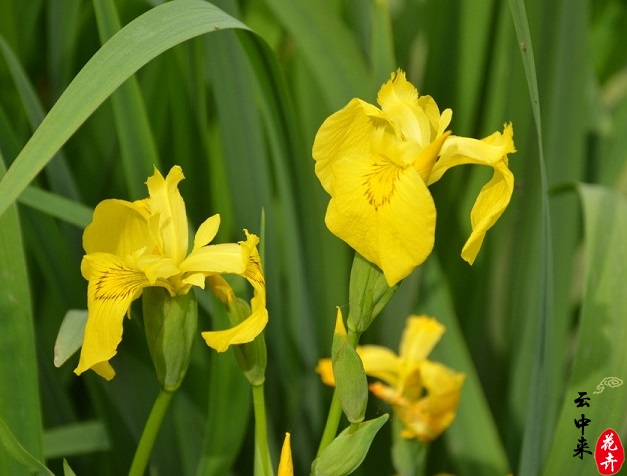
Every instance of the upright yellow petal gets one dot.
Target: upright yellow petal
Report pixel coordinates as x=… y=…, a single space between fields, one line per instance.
x=344 y=133
x=120 y=228
x=420 y=336
x=112 y=288
x=166 y=200
x=207 y=231
x=286 y=467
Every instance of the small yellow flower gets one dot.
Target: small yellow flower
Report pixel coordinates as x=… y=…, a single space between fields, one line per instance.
x=377 y=163
x=133 y=245
x=423 y=394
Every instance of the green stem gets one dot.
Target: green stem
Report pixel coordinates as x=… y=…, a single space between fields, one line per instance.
x=263 y=463
x=335 y=411
x=151 y=430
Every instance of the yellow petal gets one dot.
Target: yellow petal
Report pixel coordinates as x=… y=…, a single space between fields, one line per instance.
x=166 y=201
x=244 y=332
x=342 y=134
x=286 y=467
x=489 y=206
x=325 y=370
x=383 y=212
x=495 y=195
x=207 y=231
x=399 y=101
x=120 y=228
x=253 y=272
x=464 y=150
x=111 y=289
x=380 y=362
x=222 y=258
x=420 y=336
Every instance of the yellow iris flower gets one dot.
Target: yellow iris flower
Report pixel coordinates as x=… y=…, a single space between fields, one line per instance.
x=133 y=245
x=423 y=394
x=377 y=163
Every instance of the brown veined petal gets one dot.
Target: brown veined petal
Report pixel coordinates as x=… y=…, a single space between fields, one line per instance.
x=384 y=212
x=112 y=287
x=120 y=228
x=166 y=201
x=346 y=132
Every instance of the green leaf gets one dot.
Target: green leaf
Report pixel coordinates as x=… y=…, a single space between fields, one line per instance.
x=601 y=350
x=349 y=449
x=70 y=336
x=19 y=391
x=75 y=439
x=18 y=453
x=128 y=50
x=67 y=471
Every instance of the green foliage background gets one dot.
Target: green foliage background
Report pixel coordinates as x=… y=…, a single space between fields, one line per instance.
x=540 y=316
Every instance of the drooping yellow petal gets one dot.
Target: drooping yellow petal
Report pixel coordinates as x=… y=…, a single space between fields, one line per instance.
x=495 y=195
x=244 y=332
x=111 y=289
x=166 y=200
x=286 y=466
x=120 y=228
x=383 y=212
x=324 y=368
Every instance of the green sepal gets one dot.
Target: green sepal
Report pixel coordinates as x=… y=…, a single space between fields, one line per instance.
x=348 y=450
x=252 y=357
x=368 y=294
x=350 y=376
x=170 y=324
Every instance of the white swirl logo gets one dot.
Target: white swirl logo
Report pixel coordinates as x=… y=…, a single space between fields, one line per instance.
x=610 y=382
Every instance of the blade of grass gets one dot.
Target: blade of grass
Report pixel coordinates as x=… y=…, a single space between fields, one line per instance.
x=602 y=332
x=74 y=439
x=137 y=145
x=19 y=392
x=541 y=412
x=128 y=50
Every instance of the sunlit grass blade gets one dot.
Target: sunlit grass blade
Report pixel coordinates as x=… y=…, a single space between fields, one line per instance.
x=74 y=213
x=19 y=392
x=137 y=146
x=602 y=332
x=131 y=48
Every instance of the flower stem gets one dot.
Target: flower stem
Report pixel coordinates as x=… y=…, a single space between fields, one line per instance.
x=335 y=411
x=263 y=462
x=149 y=435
